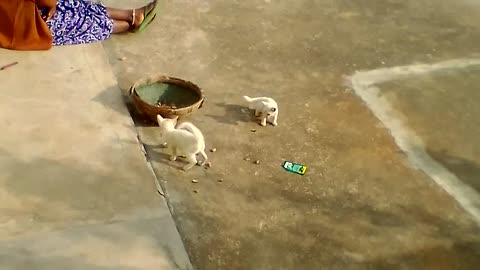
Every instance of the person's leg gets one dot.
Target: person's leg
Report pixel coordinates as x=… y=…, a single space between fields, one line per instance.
x=120 y=14
x=120 y=26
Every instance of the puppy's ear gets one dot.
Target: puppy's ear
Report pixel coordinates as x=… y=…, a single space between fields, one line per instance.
x=174 y=120
x=159 y=118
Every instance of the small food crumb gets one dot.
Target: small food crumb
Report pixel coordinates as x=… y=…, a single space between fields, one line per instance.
x=194 y=181
x=195 y=191
x=220 y=180
x=253 y=130
x=213 y=150
x=257 y=161
x=246 y=158
x=122 y=58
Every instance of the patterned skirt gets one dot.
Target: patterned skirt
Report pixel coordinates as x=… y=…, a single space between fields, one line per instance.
x=79 y=22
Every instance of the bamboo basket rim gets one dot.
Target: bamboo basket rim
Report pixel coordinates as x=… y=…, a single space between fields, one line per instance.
x=165 y=110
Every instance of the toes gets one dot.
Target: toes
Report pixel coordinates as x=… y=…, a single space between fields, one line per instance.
x=150 y=6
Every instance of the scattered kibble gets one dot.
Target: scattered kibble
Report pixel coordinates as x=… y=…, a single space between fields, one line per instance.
x=195 y=181
x=213 y=150
x=246 y=158
x=122 y=58
x=195 y=191
x=220 y=180
x=253 y=130
x=257 y=161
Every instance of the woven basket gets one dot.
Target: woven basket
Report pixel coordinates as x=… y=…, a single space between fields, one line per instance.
x=151 y=111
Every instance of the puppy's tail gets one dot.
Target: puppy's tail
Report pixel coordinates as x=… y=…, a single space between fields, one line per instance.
x=197 y=133
x=247 y=98
x=192 y=129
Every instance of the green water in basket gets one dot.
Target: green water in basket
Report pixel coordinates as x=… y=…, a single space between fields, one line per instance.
x=167 y=94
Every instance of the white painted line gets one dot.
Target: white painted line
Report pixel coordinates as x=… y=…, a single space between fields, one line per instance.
x=363 y=83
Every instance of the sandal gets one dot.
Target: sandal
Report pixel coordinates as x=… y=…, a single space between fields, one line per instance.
x=149 y=16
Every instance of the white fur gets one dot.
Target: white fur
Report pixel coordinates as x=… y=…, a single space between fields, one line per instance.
x=266 y=109
x=185 y=140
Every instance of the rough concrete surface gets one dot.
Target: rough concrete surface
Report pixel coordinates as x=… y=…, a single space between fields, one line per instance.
x=361 y=204
x=75 y=190
x=389 y=94
x=448 y=105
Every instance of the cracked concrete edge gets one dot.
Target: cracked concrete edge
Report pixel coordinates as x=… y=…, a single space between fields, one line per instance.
x=161 y=189
x=364 y=84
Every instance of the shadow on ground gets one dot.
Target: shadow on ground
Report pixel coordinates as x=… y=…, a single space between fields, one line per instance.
x=318 y=232
x=68 y=198
x=464 y=169
x=108 y=98
x=93 y=247
x=52 y=219
x=234 y=114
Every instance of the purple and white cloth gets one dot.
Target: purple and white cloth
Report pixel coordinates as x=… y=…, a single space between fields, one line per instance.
x=79 y=22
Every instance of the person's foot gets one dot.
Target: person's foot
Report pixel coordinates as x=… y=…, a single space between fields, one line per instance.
x=140 y=14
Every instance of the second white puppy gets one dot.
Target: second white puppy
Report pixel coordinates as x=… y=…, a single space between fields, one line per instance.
x=266 y=109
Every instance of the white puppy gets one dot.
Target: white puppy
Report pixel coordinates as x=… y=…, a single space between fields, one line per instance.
x=265 y=108
x=185 y=140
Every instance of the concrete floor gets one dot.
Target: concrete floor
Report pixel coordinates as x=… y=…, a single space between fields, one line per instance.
x=361 y=205
x=75 y=189
x=447 y=103
x=412 y=101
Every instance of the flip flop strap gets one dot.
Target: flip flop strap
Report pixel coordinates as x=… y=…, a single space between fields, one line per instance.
x=133 y=17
